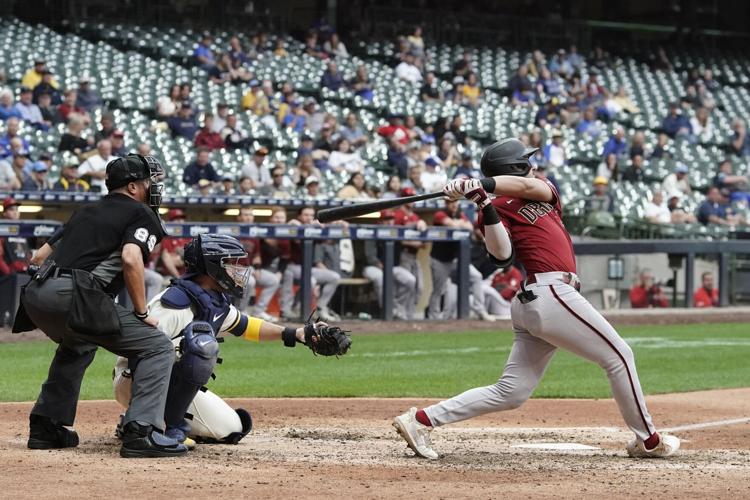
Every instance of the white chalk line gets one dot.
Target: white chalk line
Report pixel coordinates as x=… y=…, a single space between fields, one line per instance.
x=706 y=425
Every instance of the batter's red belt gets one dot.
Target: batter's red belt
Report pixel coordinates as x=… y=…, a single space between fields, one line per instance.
x=554 y=278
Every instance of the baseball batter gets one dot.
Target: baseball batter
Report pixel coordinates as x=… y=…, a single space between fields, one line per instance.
x=524 y=222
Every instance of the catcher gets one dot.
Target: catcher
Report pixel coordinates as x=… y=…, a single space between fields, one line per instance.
x=193 y=311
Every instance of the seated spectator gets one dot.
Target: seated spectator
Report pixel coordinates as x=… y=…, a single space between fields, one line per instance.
x=575 y=59
x=87 y=97
x=72 y=141
x=342 y=158
x=220 y=118
x=226 y=188
x=548 y=114
x=203 y=55
x=118 y=143
x=589 y=124
x=355 y=188
x=281 y=186
x=414 y=182
x=522 y=92
x=331 y=78
x=69 y=179
x=258 y=169
x=236 y=54
x=676 y=123
x=107 y=123
x=735 y=187
x=466 y=168
x=234 y=135
x=621 y=102
x=11 y=133
x=677 y=181
x=9 y=181
x=15 y=251
x=224 y=71
x=312 y=48
x=416 y=42
x=167 y=105
x=315 y=116
x=311 y=190
x=714 y=210
x=601 y=200
x=396 y=157
x=395 y=129
x=353 y=132
x=34 y=76
x=739 y=141
x=560 y=65
x=657 y=211
x=69 y=106
x=472 y=93
x=20 y=163
x=463 y=66
x=638 y=145
x=38 y=180
x=549 y=85
x=295 y=118
x=206 y=137
x=30 y=112
x=616 y=143
x=677 y=213
x=541 y=173
x=646 y=293
x=335 y=47
x=256 y=101
x=304 y=169
x=392 y=188
x=325 y=142
x=245 y=186
x=447 y=152
x=608 y=169
x=433 y=176
x=361 y=85
x=707 y=295
x=702 y=126
x=634 y=173
x=47 y=86
x=554 y=152
x=661 y=150
x=279 y=49
x=709 y=82
x=430 y=91
x=49 y=113
x=183 y=124
x=200 y=169
x=8 y=107
x=94 y=169
x=408 y=71
x=143 y=149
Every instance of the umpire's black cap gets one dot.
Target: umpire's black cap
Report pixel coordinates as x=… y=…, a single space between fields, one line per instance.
x=130 y=168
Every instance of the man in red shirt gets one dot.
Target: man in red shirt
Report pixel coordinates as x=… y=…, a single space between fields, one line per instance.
x=646 y=293
x=395 y=129
x=15 y=251
x=266 y=279
x=173 y=248
x=524 y=221
x=706 y=295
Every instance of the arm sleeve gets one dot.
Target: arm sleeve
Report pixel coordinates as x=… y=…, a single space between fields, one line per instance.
x=241 y=325
x=142 y=231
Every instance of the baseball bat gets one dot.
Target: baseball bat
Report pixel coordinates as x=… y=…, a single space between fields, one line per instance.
x=359 y=209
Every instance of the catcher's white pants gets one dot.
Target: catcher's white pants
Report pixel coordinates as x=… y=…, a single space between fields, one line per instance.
x=558 y=317
x=212 y=416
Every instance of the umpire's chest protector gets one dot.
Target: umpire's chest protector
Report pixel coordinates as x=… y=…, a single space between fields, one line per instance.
x=208 y=306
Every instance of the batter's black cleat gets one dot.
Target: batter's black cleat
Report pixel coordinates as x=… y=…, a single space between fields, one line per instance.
x=143 y=441
x=47 y=434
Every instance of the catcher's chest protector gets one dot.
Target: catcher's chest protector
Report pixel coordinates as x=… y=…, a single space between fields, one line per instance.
x=211 y=307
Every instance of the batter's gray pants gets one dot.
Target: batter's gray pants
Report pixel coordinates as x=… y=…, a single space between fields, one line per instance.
x=269 y=282
x=441 y=272
x=327 y=279
x=147 y=349
x=404 y=284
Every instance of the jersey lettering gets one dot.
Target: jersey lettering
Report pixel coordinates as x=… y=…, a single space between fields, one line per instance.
x=533 y=210
x=141 y=234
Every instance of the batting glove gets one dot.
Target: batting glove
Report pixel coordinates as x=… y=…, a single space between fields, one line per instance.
x=471 y=189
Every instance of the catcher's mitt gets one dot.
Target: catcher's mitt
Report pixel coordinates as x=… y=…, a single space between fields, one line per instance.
x=327 y=340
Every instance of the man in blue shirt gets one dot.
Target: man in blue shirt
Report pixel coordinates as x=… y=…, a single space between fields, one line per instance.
x=714 y=210
x=331 y=78
x=675 y=122
x=200 y=169
x=616 y=144
x=203 y=54
x=183 y=125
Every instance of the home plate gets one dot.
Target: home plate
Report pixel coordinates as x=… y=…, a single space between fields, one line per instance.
x=556 y=446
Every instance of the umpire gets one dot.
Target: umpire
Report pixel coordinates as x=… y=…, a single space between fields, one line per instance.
x=84 y=265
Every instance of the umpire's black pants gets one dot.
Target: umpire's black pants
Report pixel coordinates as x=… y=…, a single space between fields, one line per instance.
x=48 y=305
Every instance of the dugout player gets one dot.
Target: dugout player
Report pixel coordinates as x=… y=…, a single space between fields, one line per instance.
x=524 y=222
x=193 y=312
x=102 y=247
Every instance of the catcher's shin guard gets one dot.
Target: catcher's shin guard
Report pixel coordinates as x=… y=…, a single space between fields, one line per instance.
x=200 y=351
x=212 y=420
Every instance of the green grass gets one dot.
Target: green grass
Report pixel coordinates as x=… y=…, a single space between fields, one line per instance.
x=669 y=358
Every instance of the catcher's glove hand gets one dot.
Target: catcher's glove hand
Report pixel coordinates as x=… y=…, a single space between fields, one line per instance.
x=327 y=340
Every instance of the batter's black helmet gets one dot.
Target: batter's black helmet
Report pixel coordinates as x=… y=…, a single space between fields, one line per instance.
x=133 y=167
x=506 y=157
x=218 y=256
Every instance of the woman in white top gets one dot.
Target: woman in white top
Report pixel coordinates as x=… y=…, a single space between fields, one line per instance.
x=703 y=129
x=167 y=105
x=342 y=159
x=335 y=47
x=608 y=168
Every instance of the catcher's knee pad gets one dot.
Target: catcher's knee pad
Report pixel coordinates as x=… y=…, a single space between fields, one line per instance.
x=212 y=420
x=192 y=371
x=247 y=425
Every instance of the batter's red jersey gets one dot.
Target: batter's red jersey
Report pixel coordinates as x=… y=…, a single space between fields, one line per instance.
x=540 y=241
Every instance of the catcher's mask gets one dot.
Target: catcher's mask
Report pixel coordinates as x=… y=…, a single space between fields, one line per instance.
x=218 y=256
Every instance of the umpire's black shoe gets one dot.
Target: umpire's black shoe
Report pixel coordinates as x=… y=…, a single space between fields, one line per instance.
x=47 y=434
x=143 y=441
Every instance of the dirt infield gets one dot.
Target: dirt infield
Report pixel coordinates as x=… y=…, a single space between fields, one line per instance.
x=347 y=448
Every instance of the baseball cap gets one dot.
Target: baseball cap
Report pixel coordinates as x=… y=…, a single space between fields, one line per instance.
x=254 y=83
x=600 y=180
x=681 y=168
x=227 y=178
x=310 y=100
x=39 y=166
x=175 y=213
x=307 y=137
x=263 y=151
x=407 y=191
x=311 y=179
x=458 y=80
x=9 y=202
x=431 y=162
x=466 y=155
x=25 y=90
x=556 y=133
x=428 y=139
x=45 y=157
x=186 y=105
x=39 y=61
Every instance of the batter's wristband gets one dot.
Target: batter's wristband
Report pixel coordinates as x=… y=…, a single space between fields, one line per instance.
x=289 y=336
x=489 y=184
x=490 y=216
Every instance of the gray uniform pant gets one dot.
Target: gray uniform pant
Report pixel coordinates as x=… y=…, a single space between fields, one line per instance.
x=145 y=346
x=408 y=261
x=269 y=282
x=327 y=279
x=558 y=317
x=441 y=272
x=404 y=284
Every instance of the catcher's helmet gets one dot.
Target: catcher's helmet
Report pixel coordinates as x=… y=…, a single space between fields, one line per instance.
x=134 y=167
x=218 y=256
x=506 y=157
